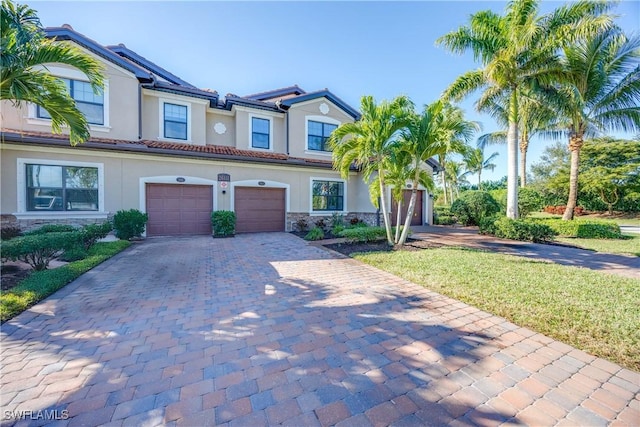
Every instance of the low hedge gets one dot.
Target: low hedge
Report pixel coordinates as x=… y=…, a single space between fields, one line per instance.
x=583 y=228
x=41 y=284
x=38 y=250
x=364 y=234
x=517 y=229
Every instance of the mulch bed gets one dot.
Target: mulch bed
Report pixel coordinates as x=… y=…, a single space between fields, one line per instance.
x=382 y=246
x=12 y=274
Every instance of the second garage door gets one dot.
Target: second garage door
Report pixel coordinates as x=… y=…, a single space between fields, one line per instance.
x=259 y=209
x=179 y=209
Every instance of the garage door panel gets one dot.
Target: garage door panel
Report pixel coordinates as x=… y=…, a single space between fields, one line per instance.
x=178 y=209
x=259 y=209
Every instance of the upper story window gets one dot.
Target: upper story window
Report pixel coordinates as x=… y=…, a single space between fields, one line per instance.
x=90 y=103
x=175 y=121
x=61 y=188
x=318 y=134
x=260 y=133
x=327 y=195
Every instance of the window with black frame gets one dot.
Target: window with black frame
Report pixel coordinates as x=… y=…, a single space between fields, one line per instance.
x=90 y=103
x=61 y=188
x=318 y=135
x=328 y=196
x=260 y=133
x=175 y=121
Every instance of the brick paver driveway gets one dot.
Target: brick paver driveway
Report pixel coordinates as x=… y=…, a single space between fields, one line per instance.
x=263 y=329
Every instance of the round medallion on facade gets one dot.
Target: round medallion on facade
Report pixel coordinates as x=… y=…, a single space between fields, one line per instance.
x=220 y=128
x=324 y=108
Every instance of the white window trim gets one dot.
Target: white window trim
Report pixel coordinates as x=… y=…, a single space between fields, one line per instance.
x=161 y=102
x=21 y=183
x=321 y=119
x=344 y=210
x=264 y=117
x=72 y=74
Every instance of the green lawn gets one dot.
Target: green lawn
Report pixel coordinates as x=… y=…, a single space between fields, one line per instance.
x=593 y=311
x=630 y=245
x=40 y=284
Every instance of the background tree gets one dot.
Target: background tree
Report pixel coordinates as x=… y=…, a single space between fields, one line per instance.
x=475 y=163
x=610 y=170
x=516 y=51
x=366 y=144
x=600 y=92
x=551 y=174
x=24 y=50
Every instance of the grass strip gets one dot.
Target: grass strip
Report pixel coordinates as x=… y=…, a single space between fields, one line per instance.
x=628 y=245
x=590 y=310
x=41 y=284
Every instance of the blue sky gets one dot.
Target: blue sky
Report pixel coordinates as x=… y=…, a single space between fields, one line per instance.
x=383 y=49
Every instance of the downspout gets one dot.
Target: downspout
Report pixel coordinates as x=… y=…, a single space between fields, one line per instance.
x=139 y=110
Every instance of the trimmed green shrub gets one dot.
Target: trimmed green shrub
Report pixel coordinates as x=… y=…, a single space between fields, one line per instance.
x=583 y=228
x=488 y=225
x=472 y=206
x=129 y=224
x=522 y=229
x=74 y=254
x=529 y=200
x=38 y=250
x=316 y=233
x=337 y=229
x=91 y=233
x=51 y=228
x=223 y=223
x=442 y=215
x=364 y=234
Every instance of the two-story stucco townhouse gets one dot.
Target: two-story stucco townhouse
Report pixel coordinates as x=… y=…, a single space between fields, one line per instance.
x=176 y=152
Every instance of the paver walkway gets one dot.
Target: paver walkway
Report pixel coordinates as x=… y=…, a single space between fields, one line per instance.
x=623 y=265
x=264 y=329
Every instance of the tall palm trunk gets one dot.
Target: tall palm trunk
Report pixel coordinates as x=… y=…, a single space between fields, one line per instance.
x=576 y=142
x=383 y=203
x=398 y=219
x=443 y=175
x=512 y=158
x=524 y=145
x=480 y=178
x=407 y=221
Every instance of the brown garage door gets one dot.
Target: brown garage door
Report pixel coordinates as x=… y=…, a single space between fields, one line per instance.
x=179 y=209
x=417 y=211
x=259 y=209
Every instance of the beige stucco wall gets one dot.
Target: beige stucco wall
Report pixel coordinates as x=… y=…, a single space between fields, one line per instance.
x=152 y=109
x=243 y=129
x=123 y=173
x=121 y=104
x=298 y=116
x=228 y=138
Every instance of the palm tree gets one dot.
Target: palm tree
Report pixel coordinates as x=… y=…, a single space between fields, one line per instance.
x=475 y=162
x=600 y=92
x=428 y=135
x=24 y=49
x=452 y=142
x=366 y=144
x=535 y=117
x=457 y=176
x=517 y=50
